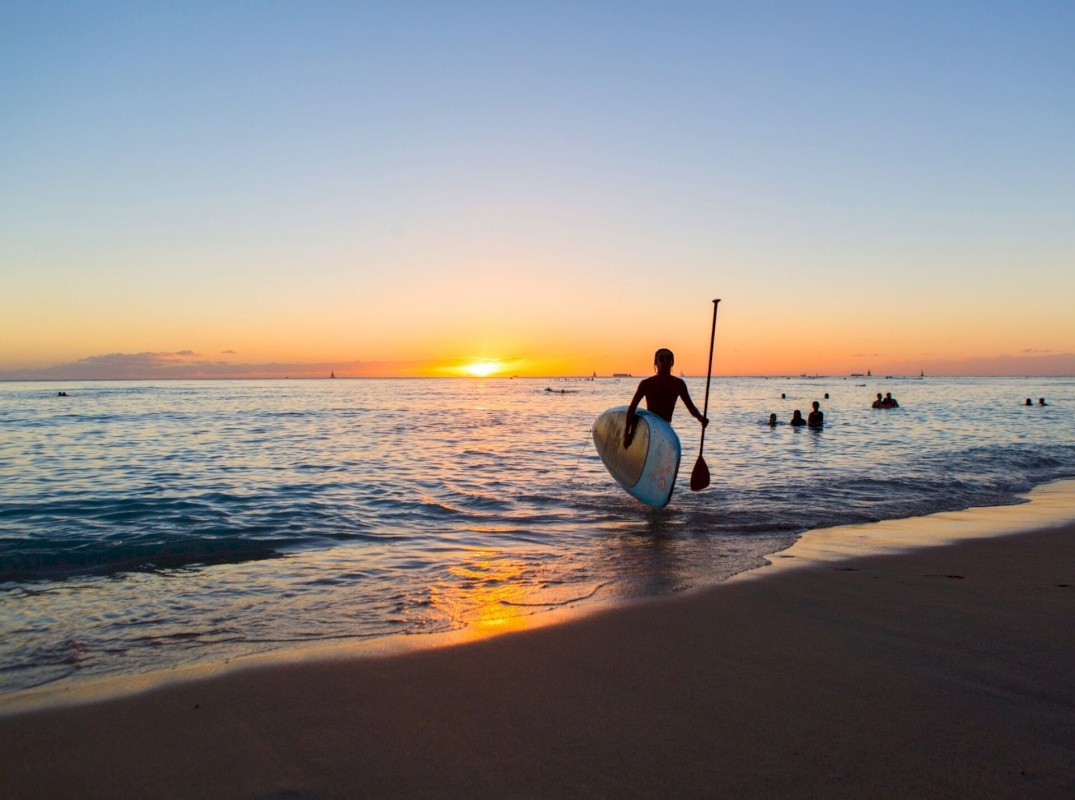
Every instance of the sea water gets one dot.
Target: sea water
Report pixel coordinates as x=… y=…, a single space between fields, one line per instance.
x=145 y=526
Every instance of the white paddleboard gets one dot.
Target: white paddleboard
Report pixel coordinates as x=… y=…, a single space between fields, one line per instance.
x=647 y=469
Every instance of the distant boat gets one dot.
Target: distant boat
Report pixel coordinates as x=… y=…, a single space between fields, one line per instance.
x=332 y=374
x=621 y=374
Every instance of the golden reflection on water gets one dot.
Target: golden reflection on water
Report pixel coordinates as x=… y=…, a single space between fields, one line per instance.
x=491 y=594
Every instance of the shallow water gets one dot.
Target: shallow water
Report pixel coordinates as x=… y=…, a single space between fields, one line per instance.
x=145 y=526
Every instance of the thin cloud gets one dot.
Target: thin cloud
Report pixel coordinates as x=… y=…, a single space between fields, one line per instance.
x=1022 y=365
x=187 y=365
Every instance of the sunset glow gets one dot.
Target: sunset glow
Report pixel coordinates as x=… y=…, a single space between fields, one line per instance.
x=493 y=601
x=482 y=369
x=497 y=203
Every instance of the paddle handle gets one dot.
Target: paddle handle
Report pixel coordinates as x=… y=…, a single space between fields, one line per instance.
x=709 y=372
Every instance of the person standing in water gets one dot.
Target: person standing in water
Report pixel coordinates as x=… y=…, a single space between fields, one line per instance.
x=661 y=392
x=816 y=419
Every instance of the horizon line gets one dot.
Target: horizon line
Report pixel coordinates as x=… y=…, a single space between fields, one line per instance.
x=776 y=376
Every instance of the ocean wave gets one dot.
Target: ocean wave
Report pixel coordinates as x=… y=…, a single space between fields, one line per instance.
x=143 y=525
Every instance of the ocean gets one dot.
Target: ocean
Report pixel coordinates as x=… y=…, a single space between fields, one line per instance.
x=147 y=526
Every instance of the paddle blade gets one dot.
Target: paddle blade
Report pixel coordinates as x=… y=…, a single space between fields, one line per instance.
x=700 y=475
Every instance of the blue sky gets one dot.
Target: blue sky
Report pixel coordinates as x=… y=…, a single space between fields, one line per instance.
x=427 y=182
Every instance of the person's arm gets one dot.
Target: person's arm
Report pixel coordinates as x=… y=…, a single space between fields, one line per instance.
x=632 y=418
x=685 y=396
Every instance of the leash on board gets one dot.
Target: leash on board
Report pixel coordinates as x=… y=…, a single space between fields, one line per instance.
x=571 y=477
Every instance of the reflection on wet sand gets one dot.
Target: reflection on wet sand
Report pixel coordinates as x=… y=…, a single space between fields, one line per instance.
x=496 y=593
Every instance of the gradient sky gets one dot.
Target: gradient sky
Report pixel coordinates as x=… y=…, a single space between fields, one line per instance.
x=558 y=187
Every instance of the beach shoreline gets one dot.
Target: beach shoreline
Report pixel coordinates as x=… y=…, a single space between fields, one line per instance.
x=940 y=670
x=1046 y=506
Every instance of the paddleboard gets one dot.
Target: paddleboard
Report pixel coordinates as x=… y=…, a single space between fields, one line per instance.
x=647 y=469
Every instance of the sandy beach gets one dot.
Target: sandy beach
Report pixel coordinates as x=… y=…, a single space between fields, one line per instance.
x=947 y=671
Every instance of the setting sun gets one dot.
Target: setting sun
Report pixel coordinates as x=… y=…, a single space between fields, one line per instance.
x=482 y=369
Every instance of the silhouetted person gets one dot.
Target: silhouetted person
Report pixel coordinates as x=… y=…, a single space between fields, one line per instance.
x=879 y=402
x=661 y=392
x=783 y=396
x=797 y=418
x=816 y=419
x=889 y=401
x=772 y=421
x=1028 y=402
x=1041 y=401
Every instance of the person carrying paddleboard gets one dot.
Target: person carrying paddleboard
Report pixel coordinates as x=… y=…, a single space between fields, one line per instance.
x=661 y=392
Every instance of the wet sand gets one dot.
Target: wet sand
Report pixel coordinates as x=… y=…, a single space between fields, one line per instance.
x=947 y=671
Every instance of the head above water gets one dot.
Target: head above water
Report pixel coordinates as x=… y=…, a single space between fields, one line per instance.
x=664 y=356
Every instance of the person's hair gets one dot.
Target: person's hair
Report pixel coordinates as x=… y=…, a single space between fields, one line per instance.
x=664 y=354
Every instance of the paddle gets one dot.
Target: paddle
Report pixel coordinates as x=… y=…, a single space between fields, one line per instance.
x=700 y=474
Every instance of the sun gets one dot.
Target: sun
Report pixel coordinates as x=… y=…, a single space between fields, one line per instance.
x=482 y=369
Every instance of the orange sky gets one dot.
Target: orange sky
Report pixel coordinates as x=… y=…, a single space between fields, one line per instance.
x=360 y=192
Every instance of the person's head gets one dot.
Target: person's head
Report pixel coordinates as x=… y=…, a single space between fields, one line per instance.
x=796 y=414
x=817 y=405
x=826 y=395
x=878 y=395
x=772 y=419
x=663 y=359
x=888 y=395
x=1041 y=401
x=1028 y=402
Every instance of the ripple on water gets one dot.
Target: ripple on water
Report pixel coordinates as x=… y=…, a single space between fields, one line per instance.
x=144 y=526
